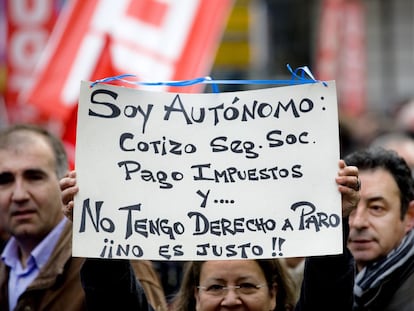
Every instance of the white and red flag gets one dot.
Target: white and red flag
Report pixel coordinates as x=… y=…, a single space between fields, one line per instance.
x=156 y=40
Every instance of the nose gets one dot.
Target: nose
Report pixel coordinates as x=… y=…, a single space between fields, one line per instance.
x=358 y=218
x=20 y=192
x=231 y=298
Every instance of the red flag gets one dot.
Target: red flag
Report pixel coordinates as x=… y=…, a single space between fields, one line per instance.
x=352 y=73
x=328 y=40
x=341 y=52
x=156 y=40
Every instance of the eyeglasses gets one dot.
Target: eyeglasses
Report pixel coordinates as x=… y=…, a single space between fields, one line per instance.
x=241 y=289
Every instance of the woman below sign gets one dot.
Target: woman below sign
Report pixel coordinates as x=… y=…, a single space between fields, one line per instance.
x=255 y=285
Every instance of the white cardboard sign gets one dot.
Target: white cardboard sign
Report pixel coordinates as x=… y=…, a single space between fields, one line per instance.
x=167 y=176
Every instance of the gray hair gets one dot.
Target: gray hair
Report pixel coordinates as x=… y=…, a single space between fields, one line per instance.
x=9 y=138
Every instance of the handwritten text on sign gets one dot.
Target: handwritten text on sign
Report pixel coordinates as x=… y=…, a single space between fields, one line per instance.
x=169 y=176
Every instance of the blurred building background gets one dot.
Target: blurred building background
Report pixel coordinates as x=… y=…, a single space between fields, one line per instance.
x=263 y=36
x=375 y=94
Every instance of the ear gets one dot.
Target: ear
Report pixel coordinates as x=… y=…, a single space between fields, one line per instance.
x=273 y=294
x=409 y=217
x=197 y=298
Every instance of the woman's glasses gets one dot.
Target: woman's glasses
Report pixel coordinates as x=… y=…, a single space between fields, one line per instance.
x=241 y=289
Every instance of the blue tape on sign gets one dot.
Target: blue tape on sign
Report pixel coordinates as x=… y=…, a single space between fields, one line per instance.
x=300 y=75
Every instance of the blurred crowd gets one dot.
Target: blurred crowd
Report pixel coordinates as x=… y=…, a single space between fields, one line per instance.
x=394 y=128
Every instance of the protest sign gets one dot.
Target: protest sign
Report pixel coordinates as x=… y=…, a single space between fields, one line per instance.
x=173 y=176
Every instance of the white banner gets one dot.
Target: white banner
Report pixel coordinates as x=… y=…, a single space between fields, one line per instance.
x=170 y=176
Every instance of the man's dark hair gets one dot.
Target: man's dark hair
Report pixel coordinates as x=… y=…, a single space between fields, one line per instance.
x=378 y=157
